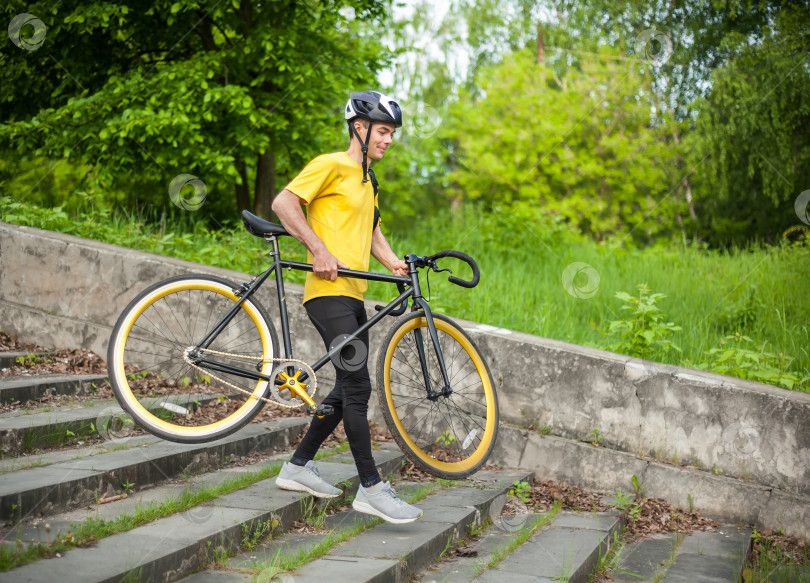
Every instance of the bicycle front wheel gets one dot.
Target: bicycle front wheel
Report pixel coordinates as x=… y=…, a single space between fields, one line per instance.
x=448 y=432
x=156 y=385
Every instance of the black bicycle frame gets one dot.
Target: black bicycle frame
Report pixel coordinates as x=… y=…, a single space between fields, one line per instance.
x=247 y=290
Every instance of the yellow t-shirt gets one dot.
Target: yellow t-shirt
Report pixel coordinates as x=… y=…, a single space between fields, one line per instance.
x=340 y=209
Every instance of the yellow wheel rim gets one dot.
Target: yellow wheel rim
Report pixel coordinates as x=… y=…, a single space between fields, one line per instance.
x=489 y=430
x=198 y=430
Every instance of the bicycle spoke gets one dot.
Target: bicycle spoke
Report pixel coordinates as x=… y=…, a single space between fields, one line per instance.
x=151 y=341
x=464 y=425
x=172 y=343
x=406 y=403
x=174 y=313
x=419 y=373
x=423 y=425
x=470 y=416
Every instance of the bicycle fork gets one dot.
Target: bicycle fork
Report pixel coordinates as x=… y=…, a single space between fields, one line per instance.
x=418 y=300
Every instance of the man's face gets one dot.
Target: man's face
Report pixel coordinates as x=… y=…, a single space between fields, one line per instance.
x=382 y=134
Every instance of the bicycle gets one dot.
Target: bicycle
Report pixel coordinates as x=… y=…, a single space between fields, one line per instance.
x=194 y=358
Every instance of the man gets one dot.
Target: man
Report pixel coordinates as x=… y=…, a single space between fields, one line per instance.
x=339 y=231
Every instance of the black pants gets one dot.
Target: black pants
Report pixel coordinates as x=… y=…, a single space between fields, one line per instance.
x=335 y=316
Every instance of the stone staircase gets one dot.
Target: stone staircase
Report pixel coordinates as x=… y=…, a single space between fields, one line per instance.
x=253 y=531
x=698 y=556
x=33 y=388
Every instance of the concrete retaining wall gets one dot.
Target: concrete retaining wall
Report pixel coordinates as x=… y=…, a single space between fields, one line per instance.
x=62 y=291
x=738 y=428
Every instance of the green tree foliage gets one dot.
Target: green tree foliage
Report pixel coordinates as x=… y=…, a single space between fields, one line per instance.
x=727 y=76
x=234 y=92
x=424 y=78
x=731 y=78
x=751 y=146
x=580 y=145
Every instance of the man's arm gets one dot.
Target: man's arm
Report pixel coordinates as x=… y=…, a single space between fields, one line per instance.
x=287 y=206
x=383 y=253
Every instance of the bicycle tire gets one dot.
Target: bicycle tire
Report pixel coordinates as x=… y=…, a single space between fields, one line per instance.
x=399 y=371
x=151 y=336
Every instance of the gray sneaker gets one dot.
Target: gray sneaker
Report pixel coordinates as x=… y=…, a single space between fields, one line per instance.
x=305 y=479
x=386 y=505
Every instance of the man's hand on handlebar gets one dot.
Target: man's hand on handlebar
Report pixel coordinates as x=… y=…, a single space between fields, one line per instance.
x=398 y=267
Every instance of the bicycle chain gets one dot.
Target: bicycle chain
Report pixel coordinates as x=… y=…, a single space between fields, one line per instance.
x=311 y=373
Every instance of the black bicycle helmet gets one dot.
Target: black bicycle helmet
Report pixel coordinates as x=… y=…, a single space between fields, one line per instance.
x=371 y=106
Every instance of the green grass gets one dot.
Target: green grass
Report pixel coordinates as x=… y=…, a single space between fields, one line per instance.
x=283 y=562
x=61 y=434
x=771 y=563
x=520 y=537
x=608 y=562
x=341 y=447
x=710 y=294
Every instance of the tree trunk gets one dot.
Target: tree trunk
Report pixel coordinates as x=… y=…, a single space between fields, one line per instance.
x=541 y=47
x=689 y=200
x=265 y=185
x=242 y=190
x=687 y=187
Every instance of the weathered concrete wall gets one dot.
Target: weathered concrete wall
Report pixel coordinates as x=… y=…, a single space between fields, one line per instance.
x=731 y=426
x=720 y=497
x=59 y=290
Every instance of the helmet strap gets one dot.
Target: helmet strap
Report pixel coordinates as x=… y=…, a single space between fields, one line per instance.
x=364 y=147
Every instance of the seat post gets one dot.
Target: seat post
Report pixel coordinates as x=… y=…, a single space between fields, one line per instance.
x=273 y=240
x=282 y=297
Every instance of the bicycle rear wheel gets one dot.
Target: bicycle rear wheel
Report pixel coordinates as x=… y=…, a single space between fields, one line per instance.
x=156 y=385
x=446 y=431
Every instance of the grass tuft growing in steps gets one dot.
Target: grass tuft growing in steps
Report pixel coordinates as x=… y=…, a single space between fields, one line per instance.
x=520 y=537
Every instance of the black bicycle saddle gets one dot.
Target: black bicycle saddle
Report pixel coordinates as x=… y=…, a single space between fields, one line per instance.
x=261 y=228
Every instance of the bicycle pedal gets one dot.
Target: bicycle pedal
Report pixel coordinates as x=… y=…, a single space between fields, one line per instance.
x=322 y=411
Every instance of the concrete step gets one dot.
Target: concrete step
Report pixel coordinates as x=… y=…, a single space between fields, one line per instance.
x=28 y=461
x=34 y=530
x=27 y=388
x=44 y=429
x=9 y=359
x=710 y=557
x=68 y=484
x=172 y=547
x=567 y=549
x=385 y=552
x=295 y=543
